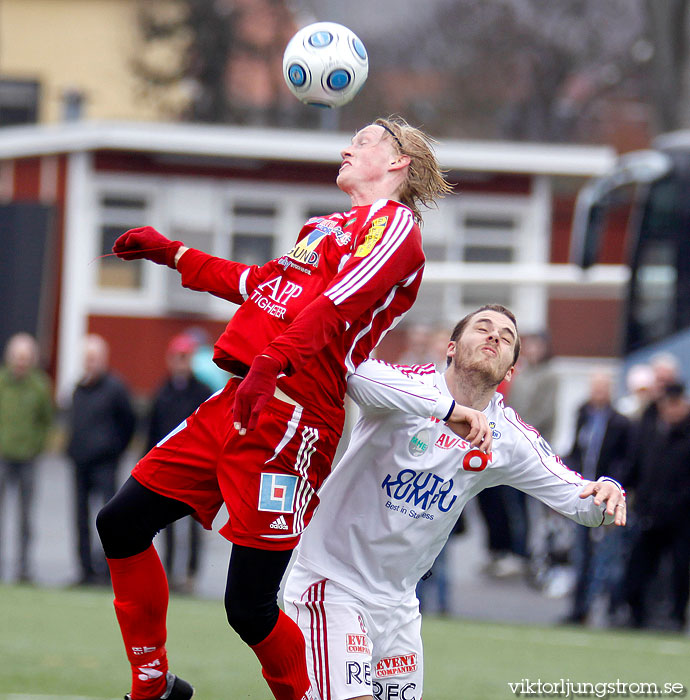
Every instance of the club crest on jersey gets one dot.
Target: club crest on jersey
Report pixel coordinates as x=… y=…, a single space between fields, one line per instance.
x=378 y=226
x=420 y=443
x=495 y=434
x=277 y=492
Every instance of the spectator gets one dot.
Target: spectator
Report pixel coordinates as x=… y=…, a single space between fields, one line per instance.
x=179 y=396
x=666 y=370
x=26 y=412
x=101 y=425
x=418 y=345
x=639 y=382
x=660 y=480
x=601 y=446
x=203 y=366
x=533 y=396
x=534 y=388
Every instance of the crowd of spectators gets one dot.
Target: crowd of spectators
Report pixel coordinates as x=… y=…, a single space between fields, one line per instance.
x=639 y=575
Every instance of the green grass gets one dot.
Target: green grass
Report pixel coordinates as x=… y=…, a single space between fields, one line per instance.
x=65 y=644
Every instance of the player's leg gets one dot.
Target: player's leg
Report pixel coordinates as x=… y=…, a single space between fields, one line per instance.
x=269 y=478
x=398 y=663
x=338 y=632
x=176 y=478
x=251 y=604
x=127 y=525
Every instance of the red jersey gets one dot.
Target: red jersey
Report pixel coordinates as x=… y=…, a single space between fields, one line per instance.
x=322 y=307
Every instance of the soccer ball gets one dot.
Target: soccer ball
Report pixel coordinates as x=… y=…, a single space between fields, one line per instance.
x=325 y=64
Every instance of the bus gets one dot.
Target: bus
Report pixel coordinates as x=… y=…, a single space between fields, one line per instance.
x=653 y=187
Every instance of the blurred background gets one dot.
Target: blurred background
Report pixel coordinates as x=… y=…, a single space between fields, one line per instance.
x=560 y=124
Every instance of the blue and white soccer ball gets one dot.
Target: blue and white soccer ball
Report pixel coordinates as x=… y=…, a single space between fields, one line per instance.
x=325 y=64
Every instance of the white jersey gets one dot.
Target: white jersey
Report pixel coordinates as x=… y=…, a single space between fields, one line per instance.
x=391 y=502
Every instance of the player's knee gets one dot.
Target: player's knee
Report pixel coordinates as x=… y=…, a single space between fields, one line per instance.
x=107 y=522
x=252 y=621
x=121 y=536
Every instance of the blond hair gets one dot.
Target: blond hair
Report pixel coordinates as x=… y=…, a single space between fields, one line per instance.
x=425 y=182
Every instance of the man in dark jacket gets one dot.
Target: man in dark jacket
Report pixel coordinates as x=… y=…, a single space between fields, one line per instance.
x=660 y=480
x=600 y=447
x=102 y=422
x=179 y=396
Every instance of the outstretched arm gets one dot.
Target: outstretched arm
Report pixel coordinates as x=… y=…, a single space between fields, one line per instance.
x=609 y=492
x=377 y=385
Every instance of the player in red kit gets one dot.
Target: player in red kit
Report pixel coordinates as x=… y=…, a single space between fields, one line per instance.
x=264 y=444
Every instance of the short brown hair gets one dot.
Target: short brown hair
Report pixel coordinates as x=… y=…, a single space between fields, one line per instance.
x=425 y=180
x=498 y=308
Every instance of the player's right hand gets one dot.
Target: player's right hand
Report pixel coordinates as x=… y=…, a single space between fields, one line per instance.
x=146 y=242
x=472 y=426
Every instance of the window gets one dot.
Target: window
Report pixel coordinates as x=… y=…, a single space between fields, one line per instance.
x=253 y=233
x=487 y=231
x=116 y=214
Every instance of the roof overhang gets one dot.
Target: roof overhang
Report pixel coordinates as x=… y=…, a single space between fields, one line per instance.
x=291 y=145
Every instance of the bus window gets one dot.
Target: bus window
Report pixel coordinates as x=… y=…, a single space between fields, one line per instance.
x=653 y=293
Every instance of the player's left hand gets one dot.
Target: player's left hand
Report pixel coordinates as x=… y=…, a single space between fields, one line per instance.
x=472 y=426
x=254 y=392
x=607 y=492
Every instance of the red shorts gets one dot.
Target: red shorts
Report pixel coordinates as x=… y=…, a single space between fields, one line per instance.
x=267 y=478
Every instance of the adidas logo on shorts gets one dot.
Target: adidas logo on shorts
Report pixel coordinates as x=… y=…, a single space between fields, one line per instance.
x=279 y=524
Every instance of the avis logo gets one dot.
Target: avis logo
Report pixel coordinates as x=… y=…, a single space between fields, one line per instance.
x=446 y=442
x=396 y=665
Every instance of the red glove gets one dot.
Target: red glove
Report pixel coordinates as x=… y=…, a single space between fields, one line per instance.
x=147 y=243
x=254 y=392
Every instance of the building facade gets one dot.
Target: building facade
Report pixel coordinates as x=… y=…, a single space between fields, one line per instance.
x=68 y=190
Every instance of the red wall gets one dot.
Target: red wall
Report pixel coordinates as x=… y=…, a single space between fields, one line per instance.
x=585 y=327
x=137 y=345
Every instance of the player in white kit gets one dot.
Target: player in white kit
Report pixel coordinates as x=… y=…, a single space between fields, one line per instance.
x=390 y=504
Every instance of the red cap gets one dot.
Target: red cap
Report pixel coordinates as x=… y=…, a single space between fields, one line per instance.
x=182 y=343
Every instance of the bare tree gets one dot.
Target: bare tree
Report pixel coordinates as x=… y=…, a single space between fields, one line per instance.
x=519 y=69
x=668 y=27
x=216 y=60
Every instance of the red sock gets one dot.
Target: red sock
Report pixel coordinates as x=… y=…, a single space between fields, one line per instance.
x=141 y=606
x=284 y=663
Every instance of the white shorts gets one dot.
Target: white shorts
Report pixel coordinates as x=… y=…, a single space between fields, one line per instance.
x=355 y=648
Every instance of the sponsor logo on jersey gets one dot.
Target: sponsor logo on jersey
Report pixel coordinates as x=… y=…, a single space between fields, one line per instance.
x=395 y=691
x=419 y=489
x=448 y=442
x=358 y=672
x=396 y=665
x=358 y=644
x=304 y=251
x=279 y=524
x=272 y=296
x=362 y=626
x=277 y=492
x=378 y=226
x=342 y=237
x=286 y=262
x=420 y=443
x=476 y=461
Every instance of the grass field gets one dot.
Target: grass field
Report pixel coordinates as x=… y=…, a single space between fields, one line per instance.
x=65 y=644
